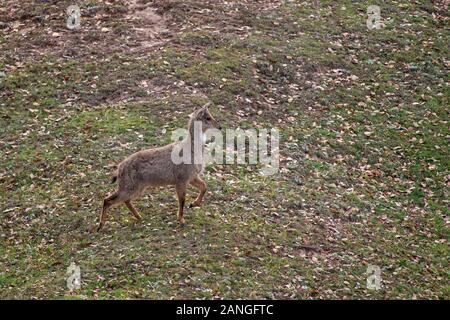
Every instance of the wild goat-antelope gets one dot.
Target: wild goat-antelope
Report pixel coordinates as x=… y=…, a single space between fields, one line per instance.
x=155 y=167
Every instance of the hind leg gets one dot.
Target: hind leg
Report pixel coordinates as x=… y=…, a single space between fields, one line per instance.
x=109 y=201
x=133 y=210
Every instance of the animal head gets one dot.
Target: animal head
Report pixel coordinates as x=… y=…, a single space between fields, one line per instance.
x=204 y=116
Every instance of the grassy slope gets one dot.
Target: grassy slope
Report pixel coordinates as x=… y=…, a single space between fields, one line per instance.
x=364 y=173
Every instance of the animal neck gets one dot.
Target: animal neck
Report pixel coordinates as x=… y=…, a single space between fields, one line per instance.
x=196 y=135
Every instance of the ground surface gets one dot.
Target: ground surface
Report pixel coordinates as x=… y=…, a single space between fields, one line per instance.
x=364 y=172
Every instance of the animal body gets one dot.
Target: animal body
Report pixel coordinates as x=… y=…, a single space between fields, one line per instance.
x=155 y=167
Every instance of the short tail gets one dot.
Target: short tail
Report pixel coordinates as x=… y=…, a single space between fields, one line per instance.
x=114 y=178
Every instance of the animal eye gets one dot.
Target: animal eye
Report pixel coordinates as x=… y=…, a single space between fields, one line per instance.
x=208 y=118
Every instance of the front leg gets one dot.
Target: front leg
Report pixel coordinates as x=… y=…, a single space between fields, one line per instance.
x=201 y=185
x=181 y=194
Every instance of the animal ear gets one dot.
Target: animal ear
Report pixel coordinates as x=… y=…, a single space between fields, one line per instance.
x=200 y=112
x=195 y=111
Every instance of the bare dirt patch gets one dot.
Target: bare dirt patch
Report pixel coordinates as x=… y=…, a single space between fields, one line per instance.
x=105 y=28
x=149 y=27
